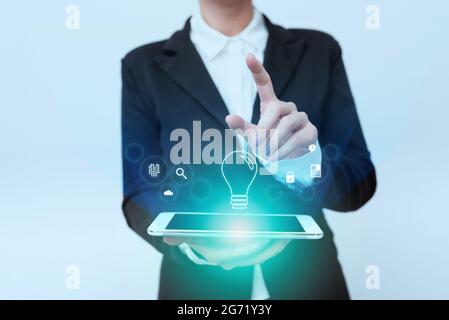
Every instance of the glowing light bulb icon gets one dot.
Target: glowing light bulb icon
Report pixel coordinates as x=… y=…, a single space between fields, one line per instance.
x=239 y=169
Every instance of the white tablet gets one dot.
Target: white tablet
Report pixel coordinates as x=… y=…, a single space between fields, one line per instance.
x=273 y=226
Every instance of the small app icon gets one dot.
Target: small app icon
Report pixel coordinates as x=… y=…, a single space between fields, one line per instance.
x=168 y=193
x=154 y=170
x=315 y=170
x=290 y=177
x=181 y=173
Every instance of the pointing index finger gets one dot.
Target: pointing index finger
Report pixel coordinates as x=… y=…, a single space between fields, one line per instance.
x=262 y=79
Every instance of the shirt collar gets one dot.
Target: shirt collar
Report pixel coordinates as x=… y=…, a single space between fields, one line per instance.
x=212 y=42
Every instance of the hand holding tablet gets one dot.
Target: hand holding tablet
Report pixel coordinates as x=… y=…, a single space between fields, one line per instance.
x=230 y=253
x=233 y=240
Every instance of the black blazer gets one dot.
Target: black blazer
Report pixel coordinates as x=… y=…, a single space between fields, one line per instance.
x=166 y=86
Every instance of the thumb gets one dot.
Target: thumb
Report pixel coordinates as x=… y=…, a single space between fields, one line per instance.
x=173 y=241
x=236 y=122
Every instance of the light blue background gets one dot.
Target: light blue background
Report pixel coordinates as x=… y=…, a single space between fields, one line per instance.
x=60 y=183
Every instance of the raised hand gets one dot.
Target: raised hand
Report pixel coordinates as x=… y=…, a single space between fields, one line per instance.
x=294 y=131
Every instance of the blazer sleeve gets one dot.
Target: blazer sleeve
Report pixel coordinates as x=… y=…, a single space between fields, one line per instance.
x=141 y=139
x=345 y=150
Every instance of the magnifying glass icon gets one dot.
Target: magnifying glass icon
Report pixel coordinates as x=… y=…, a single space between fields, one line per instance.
x=180 y=173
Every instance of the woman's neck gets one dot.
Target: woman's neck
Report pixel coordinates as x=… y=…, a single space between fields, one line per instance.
x=228 y=17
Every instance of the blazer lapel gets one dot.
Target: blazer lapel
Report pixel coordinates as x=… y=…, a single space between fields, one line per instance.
x=183 y=65
x=282 y=55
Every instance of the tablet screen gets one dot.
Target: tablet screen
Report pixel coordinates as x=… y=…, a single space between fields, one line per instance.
x=242 y=222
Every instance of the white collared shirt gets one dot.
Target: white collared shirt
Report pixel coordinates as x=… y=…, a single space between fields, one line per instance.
x=224 y=59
